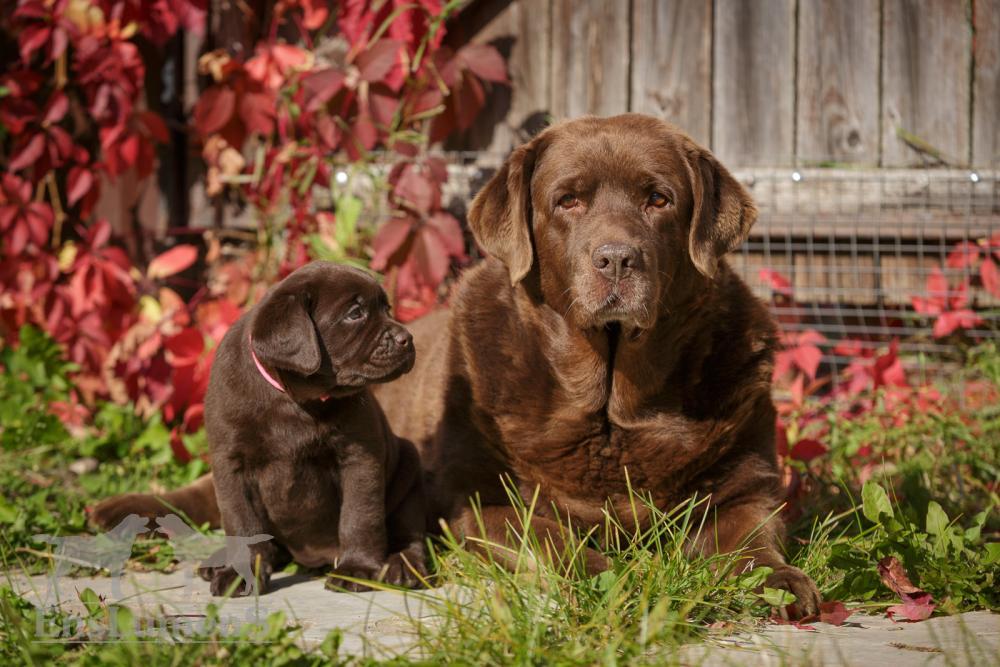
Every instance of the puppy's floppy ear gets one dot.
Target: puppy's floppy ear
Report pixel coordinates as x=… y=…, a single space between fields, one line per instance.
x=284 y=335
x=723 y=211
x=500 y=216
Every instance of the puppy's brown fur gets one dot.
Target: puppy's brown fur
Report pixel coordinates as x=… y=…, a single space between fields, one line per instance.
x=316 y=466
x=606 y=339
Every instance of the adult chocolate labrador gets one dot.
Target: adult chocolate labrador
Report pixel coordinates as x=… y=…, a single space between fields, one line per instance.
x=604 y=341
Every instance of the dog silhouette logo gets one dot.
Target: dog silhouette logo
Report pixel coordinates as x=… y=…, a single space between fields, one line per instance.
x=208 y=552
x=109 y=551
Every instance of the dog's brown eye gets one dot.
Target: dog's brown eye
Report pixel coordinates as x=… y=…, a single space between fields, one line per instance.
x=658 y=200
x=355 y=313
x=568 y=201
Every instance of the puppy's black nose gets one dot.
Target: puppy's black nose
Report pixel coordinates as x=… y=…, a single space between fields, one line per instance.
x=616 y=260
x=400 y=337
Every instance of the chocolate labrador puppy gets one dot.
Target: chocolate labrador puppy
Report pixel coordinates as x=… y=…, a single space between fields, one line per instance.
x=300 y=450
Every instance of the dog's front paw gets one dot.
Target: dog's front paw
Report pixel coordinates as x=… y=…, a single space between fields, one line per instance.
x=222 y=579
x=368 y=569
x=407 y=568
x=796 y=582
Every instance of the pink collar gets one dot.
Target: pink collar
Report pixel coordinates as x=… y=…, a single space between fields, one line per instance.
x=263 y=371
x=267 y=376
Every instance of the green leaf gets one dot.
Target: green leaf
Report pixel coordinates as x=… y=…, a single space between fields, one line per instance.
x=875 y=502
x=124 y=622
x=91 y=600
x=348 y=211
x=992 y=553
x=777 y=597
x=937 y=520
x=756 y=577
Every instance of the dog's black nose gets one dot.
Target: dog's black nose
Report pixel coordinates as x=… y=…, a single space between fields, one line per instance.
x=401 y=338
x=616 y=260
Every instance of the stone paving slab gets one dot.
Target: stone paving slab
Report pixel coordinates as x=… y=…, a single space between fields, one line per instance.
x=377 y=623
x=372 y=623
x=971 y=639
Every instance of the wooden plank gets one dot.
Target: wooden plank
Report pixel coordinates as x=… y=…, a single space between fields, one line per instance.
x=520 y=30
x=986 y=82
x=590 y=58
x=753 y=79
x=672 y=63
x=838 y=70
x=903 y=277
x=825 y=278
x=914 y=203
x=927 y=46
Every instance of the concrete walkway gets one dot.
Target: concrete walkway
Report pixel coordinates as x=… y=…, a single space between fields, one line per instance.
x=381 y=623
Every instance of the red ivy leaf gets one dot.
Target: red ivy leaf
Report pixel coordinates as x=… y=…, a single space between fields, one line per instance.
x=375 y=62
x=949 y=322
x=964 y=254
x=184 y=348
x=833 y=612
x=485 y=62
x=807 y=449
x=778 y=282
x=390 y=239
x=321 y=86
x=991 y=277
x=56 y=109
x=257 y=112
x=29 y=153
x=894 y=576
x=430 y=256
x=916 y=607
x=214 y=109
x=807 y=357
x=172 y=261
x=79 y=182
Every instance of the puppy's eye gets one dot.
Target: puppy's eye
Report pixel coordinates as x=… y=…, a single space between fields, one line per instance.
x=568 y=201
x=658 y=200
x=355 y=313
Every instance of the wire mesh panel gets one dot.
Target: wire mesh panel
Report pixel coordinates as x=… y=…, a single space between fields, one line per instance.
x=849 y=254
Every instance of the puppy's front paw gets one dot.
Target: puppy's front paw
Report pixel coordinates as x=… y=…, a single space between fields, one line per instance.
x=221 y=580
x=795 y=581
x=407 y=568
x=354 y=568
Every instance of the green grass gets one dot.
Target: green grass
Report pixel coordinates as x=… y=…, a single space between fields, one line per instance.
x=931 y=502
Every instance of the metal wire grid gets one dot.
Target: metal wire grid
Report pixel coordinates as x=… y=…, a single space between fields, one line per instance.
x=858 y=246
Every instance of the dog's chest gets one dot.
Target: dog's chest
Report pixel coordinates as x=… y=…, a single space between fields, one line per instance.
x=302 y=499
x=582 y=463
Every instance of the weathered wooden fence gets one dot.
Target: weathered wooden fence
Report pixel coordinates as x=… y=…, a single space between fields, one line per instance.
x=888 y=83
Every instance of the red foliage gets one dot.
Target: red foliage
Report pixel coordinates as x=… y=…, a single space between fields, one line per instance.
x=72 y=107
x=917 y=604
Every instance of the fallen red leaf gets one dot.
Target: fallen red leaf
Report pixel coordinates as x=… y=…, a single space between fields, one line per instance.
x=894 y=576
x=833 y=612
x=917 y=607
x=917 y=604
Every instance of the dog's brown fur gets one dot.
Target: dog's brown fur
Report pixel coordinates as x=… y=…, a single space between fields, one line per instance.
x=315 y=466
x=576 y=376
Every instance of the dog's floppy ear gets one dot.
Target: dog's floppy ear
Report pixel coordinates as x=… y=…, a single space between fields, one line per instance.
x=722 y=215
x=500 y=216
x=283 y=333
